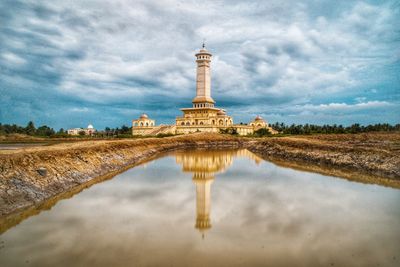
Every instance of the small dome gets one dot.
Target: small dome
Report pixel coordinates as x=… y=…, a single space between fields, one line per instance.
x=90 y=126
x=258 y=118
x=221 y=112
x=144 y=116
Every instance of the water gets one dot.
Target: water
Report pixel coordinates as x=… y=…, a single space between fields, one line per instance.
x=15 y=146
x=213 y=208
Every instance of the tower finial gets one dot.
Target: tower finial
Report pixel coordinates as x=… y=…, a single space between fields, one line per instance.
x=204 y=43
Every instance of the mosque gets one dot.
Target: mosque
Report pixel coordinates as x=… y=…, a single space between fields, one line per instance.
x=89 y=130
x=203 y=116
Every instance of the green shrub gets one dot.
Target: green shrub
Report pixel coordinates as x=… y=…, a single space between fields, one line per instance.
x=262 y=132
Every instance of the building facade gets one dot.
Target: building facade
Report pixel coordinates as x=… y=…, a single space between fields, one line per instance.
x=143 y=125
x=89 y=130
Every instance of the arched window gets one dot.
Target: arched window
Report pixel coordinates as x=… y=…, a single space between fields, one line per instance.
x=201 y=123
x=182 y=123
x=141 y=124
x=147 y=124
x=213 y=122
x=221 y=122
x=187 y=123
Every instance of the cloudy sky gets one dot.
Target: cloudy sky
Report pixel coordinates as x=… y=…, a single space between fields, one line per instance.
x=70 y=63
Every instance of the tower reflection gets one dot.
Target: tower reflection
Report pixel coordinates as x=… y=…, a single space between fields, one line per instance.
x=204 y=165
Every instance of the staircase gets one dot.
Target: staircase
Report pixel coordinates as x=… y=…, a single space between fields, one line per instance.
x=163 y=129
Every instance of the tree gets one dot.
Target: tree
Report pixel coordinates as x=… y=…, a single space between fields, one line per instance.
x=44 y=130
x=262 y=132
x=30 y=128
x=355 y=128
x=82 y=133
x=230 y=130
x=125 y=129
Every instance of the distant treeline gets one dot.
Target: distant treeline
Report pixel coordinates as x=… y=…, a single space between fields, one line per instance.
x=29 y=129
x=125 y=131
x=44 y=131
x=333 y=129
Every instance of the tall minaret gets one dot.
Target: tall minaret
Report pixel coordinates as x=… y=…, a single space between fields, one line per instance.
x=203 y=80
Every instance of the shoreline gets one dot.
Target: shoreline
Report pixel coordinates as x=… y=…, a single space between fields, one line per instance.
x=32 y=177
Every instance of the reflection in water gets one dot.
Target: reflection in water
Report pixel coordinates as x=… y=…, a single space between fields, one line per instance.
x=262 y=215
x=204 y=165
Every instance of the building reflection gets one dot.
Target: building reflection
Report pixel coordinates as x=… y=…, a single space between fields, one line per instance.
x=204 y=165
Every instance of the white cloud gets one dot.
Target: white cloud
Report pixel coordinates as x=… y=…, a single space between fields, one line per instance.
x=79 y=109
x=139 y=42
x=13 y=59
x=344 y=107
x=267 y=55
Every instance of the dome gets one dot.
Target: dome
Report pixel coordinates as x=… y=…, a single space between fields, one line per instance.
x=90 y=126
x=203 y=52
x=143 y=116
x=221 y=112
x=258 y=118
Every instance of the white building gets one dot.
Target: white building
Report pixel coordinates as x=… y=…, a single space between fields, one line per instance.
x=90 y=130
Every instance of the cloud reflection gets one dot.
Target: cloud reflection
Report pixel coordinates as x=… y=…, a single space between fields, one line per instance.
x=261 y=214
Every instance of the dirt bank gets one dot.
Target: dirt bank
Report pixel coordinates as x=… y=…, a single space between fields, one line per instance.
x=30 y=176
x=373 y=154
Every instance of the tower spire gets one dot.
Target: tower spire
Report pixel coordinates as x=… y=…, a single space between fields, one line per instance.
x=203 y=80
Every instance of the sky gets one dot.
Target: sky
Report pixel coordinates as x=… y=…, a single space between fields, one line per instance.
x=71 y=63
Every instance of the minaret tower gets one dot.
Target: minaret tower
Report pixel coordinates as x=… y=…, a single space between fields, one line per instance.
x=203 y=116
x=203 y=80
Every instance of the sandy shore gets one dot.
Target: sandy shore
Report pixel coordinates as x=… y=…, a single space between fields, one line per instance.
x=31 y=176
